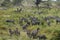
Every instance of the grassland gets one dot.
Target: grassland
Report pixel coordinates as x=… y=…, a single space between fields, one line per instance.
x=50 y=32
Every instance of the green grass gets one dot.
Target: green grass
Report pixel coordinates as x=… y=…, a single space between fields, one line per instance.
x=10 y=14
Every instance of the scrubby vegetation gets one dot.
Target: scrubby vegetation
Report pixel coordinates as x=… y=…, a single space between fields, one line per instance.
x=51 y=29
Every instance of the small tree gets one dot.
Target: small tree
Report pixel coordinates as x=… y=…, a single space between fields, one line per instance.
x=37 y=3
x=6 y=3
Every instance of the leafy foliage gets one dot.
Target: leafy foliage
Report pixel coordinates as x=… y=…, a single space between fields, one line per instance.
x=17 y=2
x=6 y=3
